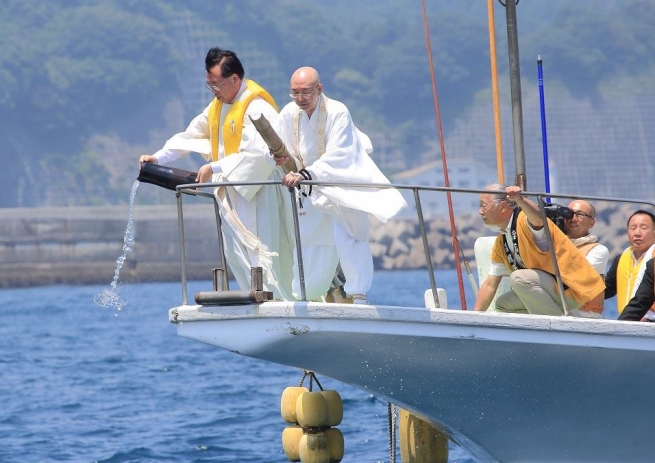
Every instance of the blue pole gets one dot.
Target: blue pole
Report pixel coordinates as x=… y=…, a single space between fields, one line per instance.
x=544 y=137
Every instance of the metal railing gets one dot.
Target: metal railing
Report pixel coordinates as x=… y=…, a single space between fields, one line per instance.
x=200 y=190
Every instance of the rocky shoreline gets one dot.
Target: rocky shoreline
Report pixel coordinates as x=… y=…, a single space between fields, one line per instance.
x=79 y=246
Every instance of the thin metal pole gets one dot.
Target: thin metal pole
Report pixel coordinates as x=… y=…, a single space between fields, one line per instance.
x=180 y=225
x=494 y=91
x=553 y=256
x=544 y=136
x=472 y=282
x=442 y=147
x=221 y=245
x=426 y=248
x=515 y=86
x=296 y=229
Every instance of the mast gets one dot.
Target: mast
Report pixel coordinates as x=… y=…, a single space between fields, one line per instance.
x=515 y=86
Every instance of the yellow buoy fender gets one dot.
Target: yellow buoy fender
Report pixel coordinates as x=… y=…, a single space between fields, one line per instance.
x=291 y=442
x=311 y=410
x=288 y=403
x=314 y=448
x=336 y=443
x=334 y=407
x=420 y=441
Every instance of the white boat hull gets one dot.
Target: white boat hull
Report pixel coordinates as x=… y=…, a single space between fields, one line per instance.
x=506 y=387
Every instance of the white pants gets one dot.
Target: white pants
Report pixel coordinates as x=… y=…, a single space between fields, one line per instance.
x=356 y=261
x=325 y=241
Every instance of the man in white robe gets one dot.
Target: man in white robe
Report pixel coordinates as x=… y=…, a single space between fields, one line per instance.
x=256 y=218
x=334 y=220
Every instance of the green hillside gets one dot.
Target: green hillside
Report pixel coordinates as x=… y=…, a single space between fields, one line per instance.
x=87 y=86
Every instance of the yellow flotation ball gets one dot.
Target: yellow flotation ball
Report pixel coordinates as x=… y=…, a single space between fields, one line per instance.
x=314 y=448
x=420 y=441
x=288 y=403
x=334 y=407
x=335 y=441
x=291 y=442
x=311 y=410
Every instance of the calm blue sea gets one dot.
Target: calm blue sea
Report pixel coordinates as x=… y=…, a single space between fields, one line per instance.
x=85 y=383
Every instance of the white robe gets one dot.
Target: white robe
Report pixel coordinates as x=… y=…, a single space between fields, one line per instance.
x=346 y=159
x=256 y=219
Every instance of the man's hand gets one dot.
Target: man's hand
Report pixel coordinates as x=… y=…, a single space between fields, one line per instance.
x=531 y=210
x=146 y=158
x=292 y=179
x=514 y=193
x=204 y=174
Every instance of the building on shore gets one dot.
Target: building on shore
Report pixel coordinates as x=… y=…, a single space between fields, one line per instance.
x=463 y=173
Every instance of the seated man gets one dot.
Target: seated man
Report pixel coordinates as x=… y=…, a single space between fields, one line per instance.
x=642 y=305
x=627 y=270
x=521 y=250
x=578 y=230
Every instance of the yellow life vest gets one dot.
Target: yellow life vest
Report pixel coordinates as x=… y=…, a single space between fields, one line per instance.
x=584 y=283
x=233 y=123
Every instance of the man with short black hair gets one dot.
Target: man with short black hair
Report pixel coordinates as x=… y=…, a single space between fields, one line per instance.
x=256 y=218
x=627 y=269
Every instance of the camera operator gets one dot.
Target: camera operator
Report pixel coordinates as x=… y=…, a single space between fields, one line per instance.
x=578 y=226
x=521 y=251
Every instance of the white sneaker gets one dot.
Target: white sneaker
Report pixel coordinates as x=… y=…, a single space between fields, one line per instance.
x=360 y=299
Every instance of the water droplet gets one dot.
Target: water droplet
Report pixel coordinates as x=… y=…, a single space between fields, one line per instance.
x=110 y=297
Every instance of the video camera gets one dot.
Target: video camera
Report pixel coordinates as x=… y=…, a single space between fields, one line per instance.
x=558 y=214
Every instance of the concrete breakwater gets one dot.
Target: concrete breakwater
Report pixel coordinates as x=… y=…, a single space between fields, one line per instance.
x=45 y=246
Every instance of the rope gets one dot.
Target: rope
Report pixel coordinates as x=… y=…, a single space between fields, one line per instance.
x=312 y=378
x=302 y=380
x=451 y=216
x=391 y=414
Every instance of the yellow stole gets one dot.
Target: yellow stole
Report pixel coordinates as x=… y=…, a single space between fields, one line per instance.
x=583 y=282
x=626 y=276
x=233 y=123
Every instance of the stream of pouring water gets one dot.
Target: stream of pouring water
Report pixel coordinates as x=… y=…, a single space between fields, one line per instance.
x=110 y=297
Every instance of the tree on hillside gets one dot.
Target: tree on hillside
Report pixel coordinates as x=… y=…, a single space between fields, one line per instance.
x=73 y=70
x=76 y=72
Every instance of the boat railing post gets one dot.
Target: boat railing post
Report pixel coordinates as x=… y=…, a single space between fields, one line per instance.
x=551 y=252
x=296 y=230
x=180 y=224
x=426 y=248
x=221 y=248
x=218 y=277
x=256 y=279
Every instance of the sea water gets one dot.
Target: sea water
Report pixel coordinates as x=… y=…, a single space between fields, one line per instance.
x=85 y=383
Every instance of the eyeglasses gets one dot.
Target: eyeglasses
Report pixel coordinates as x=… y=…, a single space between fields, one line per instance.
x=302 y=95
x=582 y=215
x=216 y=88
x=486 y=206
